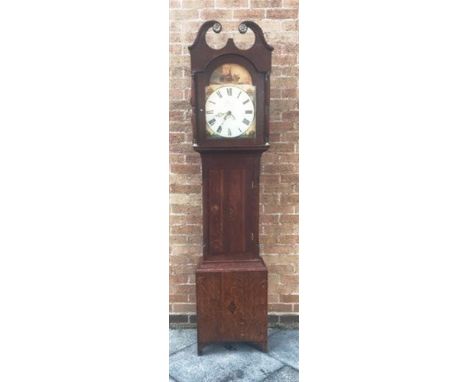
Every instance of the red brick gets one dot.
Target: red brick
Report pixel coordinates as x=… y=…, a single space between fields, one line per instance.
x=183 y=14
x=185 y=169
x=175 y=115
x=288 y=239
x=288 y=158
x=175 y=49
x=267 y=239
x=191 y=297
x=290 y=25
x=186 y=229
x=285 y=47
x=278 y=209
x=176 y=137
x=182 y=253
x=289 y=93
x=180 y=126
x=185 y=188
x=289 y=218
x=197 y=4
x=275 y=93
x=290 y=115
x=183 y=288
x=179 y=105
x=185 y=209
x=291 y=4
x=281 y=13
x=280 y=269
x=248 y=14
x=290 y=178
x=285 y=59
x=289 y=279
x=183 y=308
x=290 y=71
x=216 y=14
x=280 y=307
x=280 y=229
x=265 y=3
x=283 y=147
x=272 y=298
x=280 y=168
x=178 y=279
x=290 y=199
x=270 y=219
x=289 y=298
x=178 y=239
x=232 y=3
x=194 y=239
x=279 y=249
x=268 y=178
x=178 y=298
x=183 y=269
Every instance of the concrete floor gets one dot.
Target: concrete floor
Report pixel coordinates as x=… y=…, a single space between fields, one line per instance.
x=234 y=362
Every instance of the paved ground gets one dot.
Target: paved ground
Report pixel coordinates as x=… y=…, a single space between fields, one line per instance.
x=234 y=362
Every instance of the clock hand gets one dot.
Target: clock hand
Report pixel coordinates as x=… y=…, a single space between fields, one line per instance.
x=226 y=115
x=229 y=114
x=224 y=120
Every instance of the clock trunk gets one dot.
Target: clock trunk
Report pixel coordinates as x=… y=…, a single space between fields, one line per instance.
x=230 y=205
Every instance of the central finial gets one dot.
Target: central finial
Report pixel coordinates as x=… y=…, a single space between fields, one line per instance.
x=216 y=27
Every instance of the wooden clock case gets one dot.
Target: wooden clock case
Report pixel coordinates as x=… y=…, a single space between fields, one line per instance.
x=231 y=278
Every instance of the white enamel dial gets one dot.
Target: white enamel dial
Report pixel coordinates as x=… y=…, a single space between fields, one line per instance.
x=229 y=111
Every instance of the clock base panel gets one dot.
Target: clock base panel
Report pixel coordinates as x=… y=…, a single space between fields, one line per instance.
x=232 y=303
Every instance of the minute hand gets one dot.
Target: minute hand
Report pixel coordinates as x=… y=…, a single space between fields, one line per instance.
x=224 y=120
x=225 y=117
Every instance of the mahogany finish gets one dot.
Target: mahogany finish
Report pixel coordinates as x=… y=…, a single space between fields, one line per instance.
x=204 y=60
x=230 y=205
x=232 y=303
x=231 y=278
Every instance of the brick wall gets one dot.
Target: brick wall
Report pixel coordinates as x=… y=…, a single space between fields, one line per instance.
x=279 y=191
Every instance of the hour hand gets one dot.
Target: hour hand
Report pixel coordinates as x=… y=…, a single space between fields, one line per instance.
x=229 y=114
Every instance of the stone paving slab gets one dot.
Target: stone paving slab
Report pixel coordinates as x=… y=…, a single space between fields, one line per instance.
x=234 y=362
x=220 y=363
x=284 y=346
x=285 y=374
x=181 y=338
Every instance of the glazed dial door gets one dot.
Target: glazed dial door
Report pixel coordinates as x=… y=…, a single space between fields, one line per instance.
x=230 y=112
x=230 y=103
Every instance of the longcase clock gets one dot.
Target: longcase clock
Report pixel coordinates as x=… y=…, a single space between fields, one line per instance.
x=230 y=108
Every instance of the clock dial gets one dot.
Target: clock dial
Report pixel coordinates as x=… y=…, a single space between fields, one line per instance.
x=229 y=112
